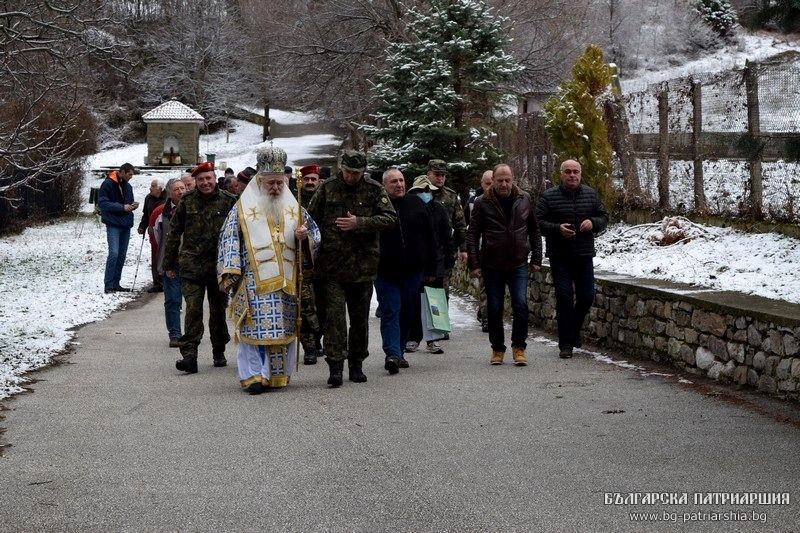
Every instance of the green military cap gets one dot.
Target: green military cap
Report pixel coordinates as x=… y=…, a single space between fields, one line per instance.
x=353 y=161
x=271 y=160
x=437 y=165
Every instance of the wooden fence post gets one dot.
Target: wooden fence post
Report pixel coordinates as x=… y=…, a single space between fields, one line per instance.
x=753 y=130
x=663 y=148
x=700 y=204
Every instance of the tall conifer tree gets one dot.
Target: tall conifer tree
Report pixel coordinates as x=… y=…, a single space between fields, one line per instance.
x=441 y=90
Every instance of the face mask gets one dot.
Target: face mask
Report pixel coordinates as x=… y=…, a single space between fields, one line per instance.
x=425 y=196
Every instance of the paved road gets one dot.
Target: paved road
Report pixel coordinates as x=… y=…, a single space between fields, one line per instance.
x=116 y=439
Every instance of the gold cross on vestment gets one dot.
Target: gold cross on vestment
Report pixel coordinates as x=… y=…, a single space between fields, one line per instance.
x=277 y=236
x=291 y=212
x=253 y=214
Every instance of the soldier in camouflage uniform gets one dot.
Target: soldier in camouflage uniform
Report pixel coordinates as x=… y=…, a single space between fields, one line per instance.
x=351 y=211
x=437 y=175
x=312 y=291
x=192 y=246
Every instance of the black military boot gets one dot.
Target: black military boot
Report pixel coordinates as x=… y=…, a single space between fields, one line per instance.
x=219 y=357
x=187 y=364
x=310 y=356
x=336 y=369
x=356 y=373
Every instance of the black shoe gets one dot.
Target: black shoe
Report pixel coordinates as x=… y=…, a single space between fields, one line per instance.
x=310 y=356
x=256 y=388
x=336 y=368
x=392 y=365
x=565 y=353
x=187 y=364
x=155 y=289
x=446 y=337
x=121 y=289
x=110 y=291
x=402 y=363
x=356 y=374
x=484 y=326
x=175 y=342
x=219 y=358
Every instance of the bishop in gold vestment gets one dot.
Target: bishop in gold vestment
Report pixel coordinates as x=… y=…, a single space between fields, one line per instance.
x=258 y=266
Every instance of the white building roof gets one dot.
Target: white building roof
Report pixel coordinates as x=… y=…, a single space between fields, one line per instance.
x=173 y=111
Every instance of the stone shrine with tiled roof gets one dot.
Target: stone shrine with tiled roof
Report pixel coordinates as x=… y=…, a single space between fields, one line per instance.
x=173 y=134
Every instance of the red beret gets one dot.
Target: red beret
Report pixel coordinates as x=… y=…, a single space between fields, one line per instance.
x=309 y=169
x=202 y=167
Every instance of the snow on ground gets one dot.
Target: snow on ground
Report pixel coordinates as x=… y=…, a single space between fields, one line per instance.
x=52 y=275
x=763 y=264
x=755 y=46
x=236 y=153
x=286 y=118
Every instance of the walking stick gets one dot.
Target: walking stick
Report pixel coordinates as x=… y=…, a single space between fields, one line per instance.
x=141 y=247
x=299 y=277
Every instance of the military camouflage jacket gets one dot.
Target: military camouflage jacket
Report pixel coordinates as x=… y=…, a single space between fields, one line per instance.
x=194 y=234
x=351 y=256
x=452 y=202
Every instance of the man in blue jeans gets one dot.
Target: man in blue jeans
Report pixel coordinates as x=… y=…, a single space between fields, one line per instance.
x=502 y=233
x=115 y=200
x=173 y=297
x=570 y=215
x=407 y=254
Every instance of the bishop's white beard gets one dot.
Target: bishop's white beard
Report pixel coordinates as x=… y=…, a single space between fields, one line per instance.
x=273 y=206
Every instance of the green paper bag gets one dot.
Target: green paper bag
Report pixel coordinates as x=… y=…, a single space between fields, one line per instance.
x=438 y=314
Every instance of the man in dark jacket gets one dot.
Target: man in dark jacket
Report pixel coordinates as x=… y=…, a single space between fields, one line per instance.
x=486 y=184
x=445 y=250
x=154 y=198
x=351 y=211
x=192 y=245
x=502 y=233
x=407 y=253
x=570 y=215
x=115 y=200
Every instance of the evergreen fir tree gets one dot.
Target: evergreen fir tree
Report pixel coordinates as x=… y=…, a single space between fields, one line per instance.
x=440 y=91
x=718 y=14
x=575 y=125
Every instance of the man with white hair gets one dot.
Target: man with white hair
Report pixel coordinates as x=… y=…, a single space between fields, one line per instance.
x=257 y=265
x=155 y=198
x=188 y=180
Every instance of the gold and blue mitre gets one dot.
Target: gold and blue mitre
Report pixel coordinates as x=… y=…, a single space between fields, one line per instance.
x=271 y=160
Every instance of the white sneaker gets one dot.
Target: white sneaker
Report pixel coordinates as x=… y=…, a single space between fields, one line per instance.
x=433 y=347
x=412 y=346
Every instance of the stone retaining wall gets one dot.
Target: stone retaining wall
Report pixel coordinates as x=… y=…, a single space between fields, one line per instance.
x=745 y=340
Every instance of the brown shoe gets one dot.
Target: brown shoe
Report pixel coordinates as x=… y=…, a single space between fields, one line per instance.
x=497 y=358
x=519 y=356
x=566 y=353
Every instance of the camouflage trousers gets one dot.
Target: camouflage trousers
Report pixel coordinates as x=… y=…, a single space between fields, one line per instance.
x=193 y=293
x=312 y=313
x=354 y=299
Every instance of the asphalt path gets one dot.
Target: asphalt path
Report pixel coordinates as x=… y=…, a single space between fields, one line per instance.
x=115 y=439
